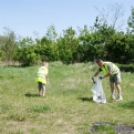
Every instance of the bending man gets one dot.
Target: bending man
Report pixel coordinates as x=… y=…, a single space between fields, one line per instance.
x=113 y=72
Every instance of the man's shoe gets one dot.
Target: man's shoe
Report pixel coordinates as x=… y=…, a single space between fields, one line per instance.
x=112 y=97
x=120 y=98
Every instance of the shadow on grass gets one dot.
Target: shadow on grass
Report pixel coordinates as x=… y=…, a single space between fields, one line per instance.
x=127 y=105
x=86 y=98
x=31 y=95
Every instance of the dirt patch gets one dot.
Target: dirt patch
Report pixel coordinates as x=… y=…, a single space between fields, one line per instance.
x=104 y=127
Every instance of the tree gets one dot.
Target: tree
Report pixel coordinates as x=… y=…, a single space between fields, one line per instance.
x=51 y=33
x=131 y=22
x=3 y=40
x=84 y=51
x=47 y=47
x=67 y=45
x=26 y=41
x=120 y=48
x=101 y=34
x=9 y=46
x=27 y=56
x=112 y=15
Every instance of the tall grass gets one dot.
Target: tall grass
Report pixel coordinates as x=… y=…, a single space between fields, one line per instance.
x=68 y=107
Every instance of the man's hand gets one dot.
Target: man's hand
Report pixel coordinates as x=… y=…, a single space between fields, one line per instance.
x=92 y=77
x=93 y=80
x=101 y=77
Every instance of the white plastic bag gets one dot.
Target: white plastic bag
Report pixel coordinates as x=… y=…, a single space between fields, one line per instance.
x=98 y=93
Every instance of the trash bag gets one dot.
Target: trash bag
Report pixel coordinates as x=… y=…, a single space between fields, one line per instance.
x=98 y=93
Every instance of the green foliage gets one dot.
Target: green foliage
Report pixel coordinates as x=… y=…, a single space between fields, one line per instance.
x=126 y=67
x=25 y=42
x=8 y=46
x=100 y=41
x=85 y=48
x=1 y=54
x=131 y=21
x=51 y=33
x=120 y=48
x=27 y=56
x=67 y=46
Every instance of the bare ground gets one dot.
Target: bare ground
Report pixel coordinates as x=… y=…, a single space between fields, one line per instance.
x=118 y=128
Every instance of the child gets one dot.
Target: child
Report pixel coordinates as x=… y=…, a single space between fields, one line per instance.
x=41 y=78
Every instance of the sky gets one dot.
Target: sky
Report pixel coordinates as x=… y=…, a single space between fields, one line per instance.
x=32 y=18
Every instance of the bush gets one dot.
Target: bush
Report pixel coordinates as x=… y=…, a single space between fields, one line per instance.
x=27 y=56
x=126 y=67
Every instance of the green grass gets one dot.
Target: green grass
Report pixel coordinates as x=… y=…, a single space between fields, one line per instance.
x=108 y=129
x=68 y=107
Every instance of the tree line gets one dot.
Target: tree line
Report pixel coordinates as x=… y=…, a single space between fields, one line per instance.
x=99 y=41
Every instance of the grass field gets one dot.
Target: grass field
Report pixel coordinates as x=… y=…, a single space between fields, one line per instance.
x=68 y=107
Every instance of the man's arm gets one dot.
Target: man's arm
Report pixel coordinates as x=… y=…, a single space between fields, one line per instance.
x=107 y=75
x=96 y=74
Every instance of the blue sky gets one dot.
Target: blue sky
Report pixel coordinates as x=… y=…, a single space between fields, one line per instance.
x=33 y=17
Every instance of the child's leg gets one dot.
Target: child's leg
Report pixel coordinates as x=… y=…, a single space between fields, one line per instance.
x=39 y=87
x=43 y=90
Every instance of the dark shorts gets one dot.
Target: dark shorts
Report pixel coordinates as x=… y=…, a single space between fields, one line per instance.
x=41 y=86
x=116 y=78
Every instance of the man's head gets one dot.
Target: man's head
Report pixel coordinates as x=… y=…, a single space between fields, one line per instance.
x=100 y=62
